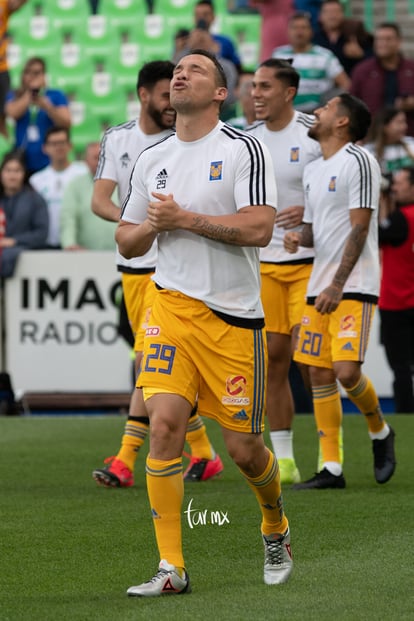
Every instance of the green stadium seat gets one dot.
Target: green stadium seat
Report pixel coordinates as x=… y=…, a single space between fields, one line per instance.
x=175 y=7
x=244 y=30
x=69 y=78
x=67 y=13
x=123 y=12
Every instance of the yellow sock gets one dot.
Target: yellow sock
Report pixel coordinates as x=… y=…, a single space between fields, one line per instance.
x=165 y=487
x=327 y=407
x=134 y=436
x=268 y=492
x=363 y=395
x=197 y=438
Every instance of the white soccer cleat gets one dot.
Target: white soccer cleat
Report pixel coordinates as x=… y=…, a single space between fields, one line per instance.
x=278 y=558
x=165 y=582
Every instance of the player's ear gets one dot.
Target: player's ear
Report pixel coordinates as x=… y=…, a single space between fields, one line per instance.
x=221 y=93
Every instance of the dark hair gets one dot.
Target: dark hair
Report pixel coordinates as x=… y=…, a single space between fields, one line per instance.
x=208 y=2
x=338 y=2
x=376 y=133
x=153 y=72
x=392 y=25
x=16 y=155
x=221 y=79
x=358 y=114
x=55 y=129
x=410 y=171
x=35 y=60
x=283 y=70
x=301 y=15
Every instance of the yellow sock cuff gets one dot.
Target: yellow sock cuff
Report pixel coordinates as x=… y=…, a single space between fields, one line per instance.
x=267 y=475
x=164 y=468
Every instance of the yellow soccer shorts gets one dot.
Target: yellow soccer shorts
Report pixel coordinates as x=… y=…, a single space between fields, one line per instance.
x=284 y=294
x=341 y=335
x=191 y=352
x=139 y=292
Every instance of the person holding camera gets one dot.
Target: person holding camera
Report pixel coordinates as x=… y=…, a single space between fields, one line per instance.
x=35 y=108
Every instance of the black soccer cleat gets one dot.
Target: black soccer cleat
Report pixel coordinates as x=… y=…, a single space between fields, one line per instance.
x=384 y=457
x=322 y=480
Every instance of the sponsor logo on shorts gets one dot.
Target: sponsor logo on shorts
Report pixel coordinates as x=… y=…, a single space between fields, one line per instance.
x=236 y=391
x=216 y=171
x=348 y=347
x=305 y=320
x=347 y=326
x=152 y=331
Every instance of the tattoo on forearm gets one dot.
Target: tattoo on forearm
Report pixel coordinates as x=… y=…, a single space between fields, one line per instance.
x=352 y=252
x=215 y=231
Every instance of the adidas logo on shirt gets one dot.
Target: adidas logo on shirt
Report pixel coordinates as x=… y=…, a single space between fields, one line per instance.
x=162 y=179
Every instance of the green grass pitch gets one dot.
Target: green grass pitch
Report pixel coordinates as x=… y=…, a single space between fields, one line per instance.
x=70 y=549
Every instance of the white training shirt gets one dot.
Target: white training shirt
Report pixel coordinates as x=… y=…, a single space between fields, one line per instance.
x=291 y=149
x=350 y=179
x=50 y=183
x=219 y=174
x=120 y=148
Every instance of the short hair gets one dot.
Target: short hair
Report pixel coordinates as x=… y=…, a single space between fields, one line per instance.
x=35 y=60
x=283 y=70
x=358 y=114
x=221 y=79
x=208 y=2
x=301 y=15
x=56 y=129
x=154 y=71
x=338 y=2
x=410 y=172
x=391 y=25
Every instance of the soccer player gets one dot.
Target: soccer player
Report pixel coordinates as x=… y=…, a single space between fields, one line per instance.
x=205 y=339
x=284 y=278
x=120 y=147
x=341 y=224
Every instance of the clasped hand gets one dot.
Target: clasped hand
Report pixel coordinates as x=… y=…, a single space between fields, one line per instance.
x=164 y=214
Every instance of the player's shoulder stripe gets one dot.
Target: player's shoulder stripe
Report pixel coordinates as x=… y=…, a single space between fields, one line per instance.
x=254 y=125
x=363 y=159
x=121 y=126
x=305 y=119
x=257 y=185
x=109 y=133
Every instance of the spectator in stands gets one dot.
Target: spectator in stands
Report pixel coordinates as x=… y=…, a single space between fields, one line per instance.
x=312 y=7
x=245 y=104
x=80 y=228
x=321 y=74
x=52 y=180
x=346 y=38
x=204 y=17
x=8 y=7
x=396 y=301
x=386 y=79
x=25 y=211
x=35 y=108
x=388 y=141
x=273 y=30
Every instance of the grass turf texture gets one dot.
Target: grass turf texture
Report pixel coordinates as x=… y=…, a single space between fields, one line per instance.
x=70 y=549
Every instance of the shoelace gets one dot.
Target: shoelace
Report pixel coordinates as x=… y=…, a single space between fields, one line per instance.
x=274 y=551
x=161 y=573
